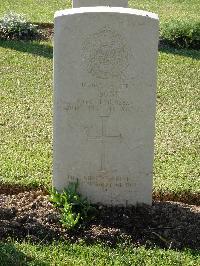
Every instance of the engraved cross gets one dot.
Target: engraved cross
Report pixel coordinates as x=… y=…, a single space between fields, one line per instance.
x=102 y=138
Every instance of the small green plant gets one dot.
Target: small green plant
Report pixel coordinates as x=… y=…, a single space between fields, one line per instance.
x=74 y=208
x=15 y=26
x=182 y=34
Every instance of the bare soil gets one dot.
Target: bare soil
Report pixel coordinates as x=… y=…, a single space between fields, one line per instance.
x=46 y=31
x=30 y=215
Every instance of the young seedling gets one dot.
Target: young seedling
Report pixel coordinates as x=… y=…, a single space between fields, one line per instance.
x=74 y=208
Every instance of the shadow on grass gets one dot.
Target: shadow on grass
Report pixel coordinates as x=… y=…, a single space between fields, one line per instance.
x=10 y=256
x=34 y=48
x=194 y=54
x=46 y=50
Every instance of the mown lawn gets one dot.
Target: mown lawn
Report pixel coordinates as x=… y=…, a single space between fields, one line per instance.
x=43 y=10
x=15 y=253
x=170 y=9
x=35 y=10
x=26 y=133
x=177 y=160
x=26 y=112
x=26 y=117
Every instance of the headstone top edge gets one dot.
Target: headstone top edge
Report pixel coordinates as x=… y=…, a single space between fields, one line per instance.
x=105 y=9
x=84 y=3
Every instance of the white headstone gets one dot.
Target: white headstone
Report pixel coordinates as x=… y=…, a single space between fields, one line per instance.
x=82 y=3
x=105 y=61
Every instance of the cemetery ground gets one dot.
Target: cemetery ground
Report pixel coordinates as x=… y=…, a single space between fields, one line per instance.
x=43 y=11
x=30 y=232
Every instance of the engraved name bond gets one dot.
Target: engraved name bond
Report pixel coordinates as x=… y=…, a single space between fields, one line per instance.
x=108 y=97
x=109 y=105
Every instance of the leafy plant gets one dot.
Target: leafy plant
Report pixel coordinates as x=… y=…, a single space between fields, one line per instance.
x=74 y=208
x=15 y=26
x=184 y=34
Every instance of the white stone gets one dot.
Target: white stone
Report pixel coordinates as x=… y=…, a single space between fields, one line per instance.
x=82 y=3
x=105 y=63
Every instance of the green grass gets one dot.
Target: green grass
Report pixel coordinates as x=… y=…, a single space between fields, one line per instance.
x=43 y=10
x=177 y=161
x=26 y=133
x=170 y=9
x=26 y=112
x=35 y=10
x=26 y=117
x=15 y=253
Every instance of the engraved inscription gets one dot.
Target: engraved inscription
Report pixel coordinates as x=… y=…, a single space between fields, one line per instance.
x=108 y=105
x=106 y=100
x=105 y=54
x=106 y=182
x=103 y=138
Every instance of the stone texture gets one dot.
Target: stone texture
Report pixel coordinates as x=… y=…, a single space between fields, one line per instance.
x=104 y=103
x=84 y=3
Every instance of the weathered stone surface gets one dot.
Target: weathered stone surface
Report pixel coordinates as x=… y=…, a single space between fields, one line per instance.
x=104 y=102
x=82 y=3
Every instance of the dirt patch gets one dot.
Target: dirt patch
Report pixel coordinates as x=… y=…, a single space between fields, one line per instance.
x=184 y=197
x=46 y=31
x=30 y=215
